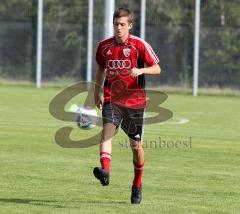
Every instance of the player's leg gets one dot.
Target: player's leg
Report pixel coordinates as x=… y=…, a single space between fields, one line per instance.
x=105 y=147
x=137 y=150
x=138 y=164
x=133 y=126
x=103 y=173
x=110 y=124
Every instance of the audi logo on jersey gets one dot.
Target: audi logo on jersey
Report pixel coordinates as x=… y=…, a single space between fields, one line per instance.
x=119 y=64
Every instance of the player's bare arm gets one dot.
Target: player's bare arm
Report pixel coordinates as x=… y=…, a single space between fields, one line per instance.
x=155 y=69
x=98 y=86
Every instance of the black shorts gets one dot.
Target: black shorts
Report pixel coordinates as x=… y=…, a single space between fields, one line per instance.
x=131 y=120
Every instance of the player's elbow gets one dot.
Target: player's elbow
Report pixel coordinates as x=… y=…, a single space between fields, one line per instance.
x=158 y=69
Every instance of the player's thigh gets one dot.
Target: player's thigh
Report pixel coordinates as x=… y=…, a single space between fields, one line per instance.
x=133 y=124
x=108 y=131
x=111 y=120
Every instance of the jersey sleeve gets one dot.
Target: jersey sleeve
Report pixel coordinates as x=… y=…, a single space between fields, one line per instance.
x=147 y=55
x=99 y=57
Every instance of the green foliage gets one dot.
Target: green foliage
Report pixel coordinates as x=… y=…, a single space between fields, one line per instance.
x=220 y=44
x=17 y=10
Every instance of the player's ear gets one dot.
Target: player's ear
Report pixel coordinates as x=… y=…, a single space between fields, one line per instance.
x=130 y=26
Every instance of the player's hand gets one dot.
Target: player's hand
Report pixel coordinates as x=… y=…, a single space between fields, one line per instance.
x=136 y=72
x=99 y=103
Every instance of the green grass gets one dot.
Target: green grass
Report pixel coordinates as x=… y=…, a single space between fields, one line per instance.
x=38 y=176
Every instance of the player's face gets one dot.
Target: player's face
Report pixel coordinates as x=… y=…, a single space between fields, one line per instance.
x=121 y=28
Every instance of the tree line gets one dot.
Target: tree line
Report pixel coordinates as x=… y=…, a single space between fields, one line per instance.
x=169 y=29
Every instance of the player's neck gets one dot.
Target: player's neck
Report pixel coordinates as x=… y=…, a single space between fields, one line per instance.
x=121 y=39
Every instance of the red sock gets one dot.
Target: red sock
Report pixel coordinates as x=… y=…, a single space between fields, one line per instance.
x=138 y=170
x=105 y=159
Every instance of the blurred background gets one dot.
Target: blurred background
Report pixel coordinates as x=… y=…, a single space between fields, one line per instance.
x=169 y=29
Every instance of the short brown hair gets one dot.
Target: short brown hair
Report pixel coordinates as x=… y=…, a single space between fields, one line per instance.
x=123 y=12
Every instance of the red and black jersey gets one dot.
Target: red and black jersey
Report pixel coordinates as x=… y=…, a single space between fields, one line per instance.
x=118 y=59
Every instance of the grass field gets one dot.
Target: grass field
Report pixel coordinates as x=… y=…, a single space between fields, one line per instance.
x=38 y=176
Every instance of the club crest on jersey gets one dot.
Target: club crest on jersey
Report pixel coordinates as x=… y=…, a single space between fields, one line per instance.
x=126 y=52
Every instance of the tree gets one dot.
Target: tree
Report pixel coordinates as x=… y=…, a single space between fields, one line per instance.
x=169 y=29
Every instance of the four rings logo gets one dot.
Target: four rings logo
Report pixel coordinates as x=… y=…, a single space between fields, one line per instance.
x=119 y=64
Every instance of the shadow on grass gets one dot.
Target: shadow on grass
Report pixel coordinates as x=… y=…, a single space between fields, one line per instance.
x=47 y=203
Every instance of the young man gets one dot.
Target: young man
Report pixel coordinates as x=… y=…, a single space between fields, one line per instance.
x=121 y=61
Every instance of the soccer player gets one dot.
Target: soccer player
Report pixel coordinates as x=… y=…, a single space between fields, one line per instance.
x=121 y=71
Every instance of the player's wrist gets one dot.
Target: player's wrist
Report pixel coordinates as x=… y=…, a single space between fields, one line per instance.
x=143 y=70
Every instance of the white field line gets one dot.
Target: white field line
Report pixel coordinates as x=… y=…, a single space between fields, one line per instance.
x=175 y=121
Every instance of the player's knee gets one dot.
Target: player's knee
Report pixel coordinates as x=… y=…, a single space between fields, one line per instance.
x=105 y=138
x=136 y=146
